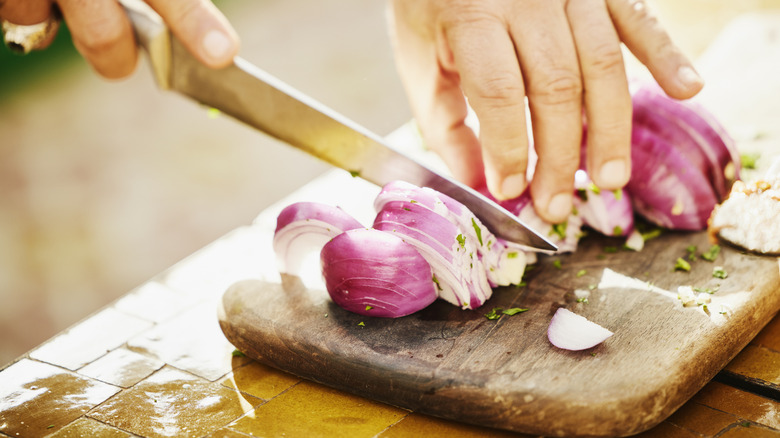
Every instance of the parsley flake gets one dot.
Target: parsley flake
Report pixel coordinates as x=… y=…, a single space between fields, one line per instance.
x=512 y=255
x=711 y=253
x=362 y=324
x=719 y=272
x=461 y=240
x=369 y=307
x=617 y=231
x=618 y=194
x=583 y=300
x=681 y=265
x=581 y=272
x=436 y=280
x=594 y=188
x=477 y=229
x=557 y=263
x=238 y=353
x=559 y=229
x=354 y=173
x=749 y=160
x=514 y=311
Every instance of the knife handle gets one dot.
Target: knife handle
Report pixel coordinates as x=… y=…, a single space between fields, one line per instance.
x=153 y=36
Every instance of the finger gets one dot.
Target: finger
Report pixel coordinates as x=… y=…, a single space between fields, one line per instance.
x=102 y=34
x=639 y=28
x=491 y=79
x=436 y=100
x=202 y=28
x=607 y=100
x=25 y=12
x=548 y=58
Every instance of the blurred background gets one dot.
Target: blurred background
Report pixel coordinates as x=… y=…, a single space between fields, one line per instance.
x=105 y=184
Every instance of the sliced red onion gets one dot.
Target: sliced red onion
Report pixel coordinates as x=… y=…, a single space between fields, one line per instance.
x=606 y=211
x=374 y=273
x=665 y=187
x=570 y=331
x=304 y=227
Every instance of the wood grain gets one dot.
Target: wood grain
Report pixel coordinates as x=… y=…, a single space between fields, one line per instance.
x=504 y=373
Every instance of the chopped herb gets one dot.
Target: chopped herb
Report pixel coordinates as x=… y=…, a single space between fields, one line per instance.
x=594 y=188
x=407 y=209
x=436 y=280
x=559 y=230
x=745 y=424
x=511 y=255
x=494 y=314
x=50 y=426
x=581 y=272
x=749 y=160
x=413 y=201
x=213 y=113
x=617 y=231
x=362 y=324
x=513 y=311
x=711 y=253
x=522 y=284
x=681 y=265
x=490 y=243
x=477 y=229
x=583 y=194
x=719 y=272
x=618 y=194
x=557 y=263
x=652 y=234
x=583 y=300
x=691 y=250
x=610 y=249
x=593 y=354
x=354 y=173
x=592 y=286
x=601 y=256
x=461 y=240
x=369 y=307
x=238 y=353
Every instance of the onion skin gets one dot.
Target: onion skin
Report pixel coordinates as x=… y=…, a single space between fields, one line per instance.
x=304 y=227
x=374 y=273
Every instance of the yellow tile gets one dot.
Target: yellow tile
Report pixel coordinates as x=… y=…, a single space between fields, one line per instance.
x=757 y=363
x=740 y=403
x=745 y=430
x=769 y=337
x=37 y=399
x=154 y=302
x=667 y=430
x=312 y=410
x=172 y=403
x=90 y=339
x=87 y=427
x=430 y=427
x=260 y=380
x=227 y=433
x=122 y=367
x=192 y=342
x=701 y=419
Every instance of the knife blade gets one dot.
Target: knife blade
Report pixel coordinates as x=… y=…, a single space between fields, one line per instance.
x=258 y=99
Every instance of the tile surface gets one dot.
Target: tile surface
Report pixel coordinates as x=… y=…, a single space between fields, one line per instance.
x=87 y=427
x=260 y=381
x=122 y=367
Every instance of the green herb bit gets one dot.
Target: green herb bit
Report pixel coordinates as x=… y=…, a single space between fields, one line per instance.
x=238 y=353
x=618 y=194
x=610 y=249
x=436 y=280
x=719 y=272
x=593 y=354
x=711 y=253
x=583 y=194
x=50 y=426
x=511 y=255
x=583 y=300
x=617 y=231
x=514 y=311
x=681 y=265
x=413 y=201
x=461 y=240
x=490 y=244
x=749 y=160
x=559 y=230
x=354 y=173
x=592 y=286
x=494 y=314
x=362 y=324
x=212 y=113
x=477 y=229
x=691 y=250
x=369 y=307
x=407 y=209
x=601 y=256
x=652 y=234
x=594 y=188
x=581 y=272
x=557 y=263
x=522 y=284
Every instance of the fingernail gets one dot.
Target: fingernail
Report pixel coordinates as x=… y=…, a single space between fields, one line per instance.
x=613 y=174
x=217 y=45
x=689 y=78
x=513 y=186
x=560 y=206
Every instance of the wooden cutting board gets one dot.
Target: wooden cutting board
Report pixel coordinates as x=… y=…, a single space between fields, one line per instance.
x=504 y=373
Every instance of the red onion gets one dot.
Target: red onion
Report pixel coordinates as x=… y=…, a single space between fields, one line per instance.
x=374 y=273
x=606 y=211
x=303 y=226
x=570 y=331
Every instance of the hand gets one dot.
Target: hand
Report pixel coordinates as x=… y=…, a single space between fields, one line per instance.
x=103 y=35
x=560 y=55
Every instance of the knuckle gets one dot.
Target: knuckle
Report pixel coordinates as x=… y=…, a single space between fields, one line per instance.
x=607 y=59
x=561 y=88
x=103 y=35
x=500 y=91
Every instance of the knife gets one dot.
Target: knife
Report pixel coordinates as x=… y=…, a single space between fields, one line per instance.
x=258 y=99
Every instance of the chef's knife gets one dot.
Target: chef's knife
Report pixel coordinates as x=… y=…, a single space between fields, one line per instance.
x=256 y=98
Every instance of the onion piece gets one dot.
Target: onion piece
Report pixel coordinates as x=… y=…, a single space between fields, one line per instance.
x=304 y=227
x=373 y=273
x=606 y=211
x=570 y=331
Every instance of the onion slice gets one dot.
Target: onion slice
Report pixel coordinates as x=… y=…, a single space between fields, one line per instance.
x=373 y=273
x=570 y=331
x=304 y=227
